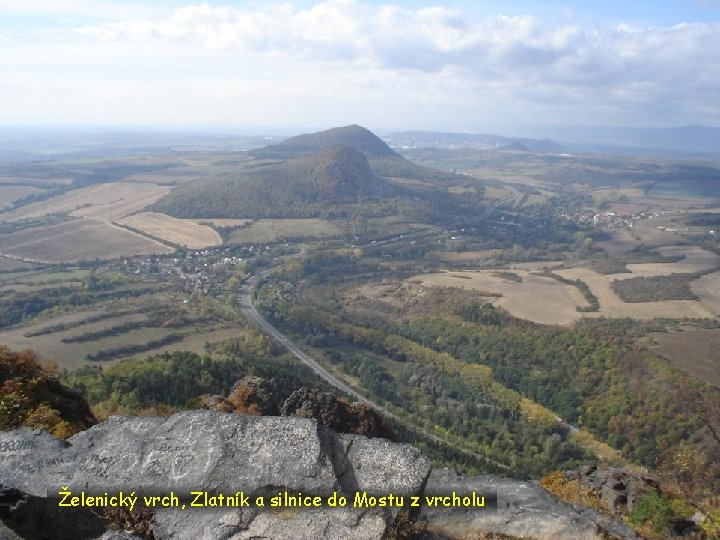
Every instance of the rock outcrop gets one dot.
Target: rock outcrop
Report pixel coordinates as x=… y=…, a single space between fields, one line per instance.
x=618 y=489
x=220 y=453
x=336 y=413
x=254 y=395
x=205 y=451
x=524 y=510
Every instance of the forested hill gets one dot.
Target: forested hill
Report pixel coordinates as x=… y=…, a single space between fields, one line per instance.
x=338 y=172
x=383 y=160
x=295 y=188
x=354 y=136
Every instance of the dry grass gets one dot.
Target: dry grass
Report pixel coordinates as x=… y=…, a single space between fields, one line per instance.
x=707 y=289
x=183 y=232
x=85 y=239
x=544 y=300
x=649 y=234
x=695 y=351
x=102 y=201
x=10 y=194
x=611 y=305
x=272 y=230
x=7 y=265
x=696 y=260
x=537 y=298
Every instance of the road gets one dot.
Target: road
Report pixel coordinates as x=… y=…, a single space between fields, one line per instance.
x=246 y=295
x=253 y=315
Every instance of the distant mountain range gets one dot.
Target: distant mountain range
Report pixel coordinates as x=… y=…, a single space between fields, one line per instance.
x=26 y=144
x=684 y=141
x=460 y=141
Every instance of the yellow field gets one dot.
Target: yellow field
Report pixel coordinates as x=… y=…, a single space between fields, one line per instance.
x=10 y=194
x=539 y=299
x=272 y=230
x=102 y=201
x=183 y=232
x=76 y=240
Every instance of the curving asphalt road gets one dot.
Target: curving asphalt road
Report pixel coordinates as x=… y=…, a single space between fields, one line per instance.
x=247 y=307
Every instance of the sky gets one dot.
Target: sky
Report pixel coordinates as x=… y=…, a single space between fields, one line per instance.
x=453 y=66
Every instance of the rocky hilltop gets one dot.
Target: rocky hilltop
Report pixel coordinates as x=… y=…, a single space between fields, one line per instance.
x=221 y=453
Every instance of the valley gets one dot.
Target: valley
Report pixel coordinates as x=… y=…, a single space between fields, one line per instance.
x=508 y=310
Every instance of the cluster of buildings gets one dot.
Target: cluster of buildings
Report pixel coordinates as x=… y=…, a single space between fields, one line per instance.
x=619 y=220
x=198 y=270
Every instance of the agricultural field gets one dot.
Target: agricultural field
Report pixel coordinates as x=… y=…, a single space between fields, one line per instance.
x=272 y=230
x=119 y=329
x=36 y=280
x=612 y=305
x=102 y=201
x=536 y=298
x=469 y=256
x=85 y=239
x=695 y=259
x=183 y=232
x=546 y=300
x=220 y=222
x=10 y=194
x=619 y=242
x=34 y=181
x=707 y=288
x=694 y=351
x=12 y=265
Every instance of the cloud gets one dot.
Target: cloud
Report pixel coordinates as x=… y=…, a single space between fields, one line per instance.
x=513 y=63
x=103 y=9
